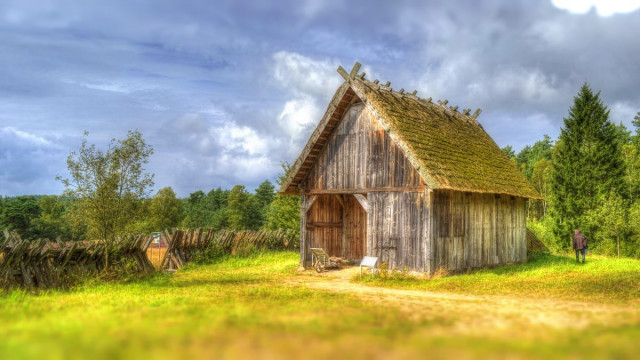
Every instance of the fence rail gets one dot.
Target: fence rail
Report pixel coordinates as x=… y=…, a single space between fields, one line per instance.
x=184 y=245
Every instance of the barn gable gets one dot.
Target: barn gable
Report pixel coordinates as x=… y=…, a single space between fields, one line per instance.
x=359 y=155
x=448 y=149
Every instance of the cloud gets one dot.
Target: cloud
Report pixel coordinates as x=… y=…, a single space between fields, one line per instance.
x=623 y=112
x=602 y=7
x=305 y=76
x=308 y=84
x=208 y=149
x=31 y=161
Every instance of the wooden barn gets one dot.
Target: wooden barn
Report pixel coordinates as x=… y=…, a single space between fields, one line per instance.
x=416 y=183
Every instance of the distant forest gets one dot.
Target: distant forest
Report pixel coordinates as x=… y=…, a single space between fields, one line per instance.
x=52 y=216
x=589 y=179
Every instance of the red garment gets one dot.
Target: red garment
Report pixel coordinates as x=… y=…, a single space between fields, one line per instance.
x=578 y=241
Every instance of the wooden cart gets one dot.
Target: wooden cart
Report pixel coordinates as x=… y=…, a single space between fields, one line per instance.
x=320 y=260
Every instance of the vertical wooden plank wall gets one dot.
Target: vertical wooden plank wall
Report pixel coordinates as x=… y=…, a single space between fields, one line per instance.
x=472 y=230
x=324 y=224
x=360 y=155
x=398 y=232
x=304 y=234
x=355 y=229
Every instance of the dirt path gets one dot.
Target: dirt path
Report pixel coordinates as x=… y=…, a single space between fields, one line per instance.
x=475 y=313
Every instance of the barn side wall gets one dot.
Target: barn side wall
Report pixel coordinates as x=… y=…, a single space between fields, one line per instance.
x=398 y=224
x=472 y=230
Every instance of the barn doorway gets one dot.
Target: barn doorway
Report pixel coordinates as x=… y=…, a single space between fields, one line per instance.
x=338 y=224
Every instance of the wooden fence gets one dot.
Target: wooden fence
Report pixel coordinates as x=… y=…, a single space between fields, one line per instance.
x=184 y=245
x=45 y=263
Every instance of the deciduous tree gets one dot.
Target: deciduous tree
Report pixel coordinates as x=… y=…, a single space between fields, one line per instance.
x=108 y=184
x=164 y=210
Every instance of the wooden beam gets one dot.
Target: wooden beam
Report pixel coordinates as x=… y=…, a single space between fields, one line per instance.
x=339 y=198
x=310 y=202
x=324 y=224
x=364 y=191
x=354 y=70
x=343 y=73
x=363 y=201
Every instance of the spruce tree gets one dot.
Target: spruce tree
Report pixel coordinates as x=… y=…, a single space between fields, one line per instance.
x=587 y=164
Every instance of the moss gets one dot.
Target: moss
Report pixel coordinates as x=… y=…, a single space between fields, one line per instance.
x=452 y=147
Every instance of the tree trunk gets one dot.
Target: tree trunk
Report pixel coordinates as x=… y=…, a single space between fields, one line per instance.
x=106 y=257
x=618 y=241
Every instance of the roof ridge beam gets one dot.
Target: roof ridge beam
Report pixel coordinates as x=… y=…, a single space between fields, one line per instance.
x=354 y=70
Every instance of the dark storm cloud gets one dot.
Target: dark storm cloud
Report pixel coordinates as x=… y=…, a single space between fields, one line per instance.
x=226 y=90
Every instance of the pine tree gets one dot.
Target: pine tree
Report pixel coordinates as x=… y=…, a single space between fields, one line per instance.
x=587 y=164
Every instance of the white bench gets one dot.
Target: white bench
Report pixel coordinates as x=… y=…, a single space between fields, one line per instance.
x=369 y=262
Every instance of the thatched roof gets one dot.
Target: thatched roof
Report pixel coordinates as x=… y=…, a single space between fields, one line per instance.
x=449 y=149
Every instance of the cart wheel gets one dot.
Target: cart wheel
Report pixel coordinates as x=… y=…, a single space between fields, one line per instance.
x=319 y=266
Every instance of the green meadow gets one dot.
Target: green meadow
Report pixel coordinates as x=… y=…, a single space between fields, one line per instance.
x=260 y=307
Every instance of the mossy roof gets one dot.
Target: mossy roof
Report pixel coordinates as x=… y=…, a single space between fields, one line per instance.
x=449 y=149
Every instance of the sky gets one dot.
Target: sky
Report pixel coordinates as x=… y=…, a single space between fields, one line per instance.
x=225 y=91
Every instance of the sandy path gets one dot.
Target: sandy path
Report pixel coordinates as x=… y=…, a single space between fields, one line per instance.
x=475 y=313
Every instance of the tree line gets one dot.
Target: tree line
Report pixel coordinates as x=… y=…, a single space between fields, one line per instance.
x=107 y=195
x=53 y=216
x=589 y=179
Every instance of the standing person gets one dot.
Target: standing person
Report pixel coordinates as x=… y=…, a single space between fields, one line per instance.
x=579 y=243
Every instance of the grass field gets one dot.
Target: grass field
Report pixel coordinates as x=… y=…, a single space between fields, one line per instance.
x=259 y=307
x=600 y=279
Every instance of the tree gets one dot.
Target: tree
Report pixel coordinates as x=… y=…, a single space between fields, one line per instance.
x=18 y=213
x=541 y=178
x=164 y=210
x=508 y=151
x=238 y=203
x=107 y=185
x=264 y=196
x=586 y=163
x=631 y=160
x=284 y=210
x=52 y=222
x=195 y=214
x=609 y=222
x=217 y=207
x=265 y=193
x=530 y=155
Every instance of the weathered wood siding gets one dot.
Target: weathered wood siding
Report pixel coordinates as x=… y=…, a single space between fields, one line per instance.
x=472 y=230
x=360 y=155
x=398 y=229
x=324 y=224
x=355 y=228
